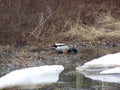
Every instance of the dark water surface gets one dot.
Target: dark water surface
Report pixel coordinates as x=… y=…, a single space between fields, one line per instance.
x=74 y=80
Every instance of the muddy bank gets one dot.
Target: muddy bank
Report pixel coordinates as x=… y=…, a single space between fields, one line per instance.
x=17 y=58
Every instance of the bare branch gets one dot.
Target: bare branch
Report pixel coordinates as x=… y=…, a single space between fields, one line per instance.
x=38 y=30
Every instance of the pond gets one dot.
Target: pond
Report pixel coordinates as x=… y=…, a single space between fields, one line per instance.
x=77 y=81
x=70 y=79
x=74 y=80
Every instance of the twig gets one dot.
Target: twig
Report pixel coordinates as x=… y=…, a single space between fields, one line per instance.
x=38 y=30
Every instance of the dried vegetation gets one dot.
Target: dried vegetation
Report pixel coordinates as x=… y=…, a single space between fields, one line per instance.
x=43 y=22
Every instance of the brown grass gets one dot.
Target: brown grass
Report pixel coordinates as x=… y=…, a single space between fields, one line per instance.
x=106 y=26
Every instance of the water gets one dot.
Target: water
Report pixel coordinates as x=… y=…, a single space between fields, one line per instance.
x=78 y=81
x=69 y=79
x=74 y=80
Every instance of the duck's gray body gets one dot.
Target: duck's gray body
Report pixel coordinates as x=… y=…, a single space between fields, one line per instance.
x=60 y=47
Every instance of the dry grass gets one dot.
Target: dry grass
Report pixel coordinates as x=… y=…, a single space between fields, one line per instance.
x=106 y=26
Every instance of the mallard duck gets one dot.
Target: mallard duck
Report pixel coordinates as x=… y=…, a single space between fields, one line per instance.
x=60 y=47
x=63 y=48
x=28 y=78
